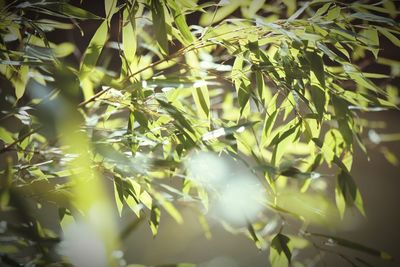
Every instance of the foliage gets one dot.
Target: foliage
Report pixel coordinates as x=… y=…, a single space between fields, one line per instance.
x=276 y=87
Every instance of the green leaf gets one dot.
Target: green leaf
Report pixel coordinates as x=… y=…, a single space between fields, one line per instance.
x=291 y=6
x=160 y=25
x=155 y=219
x=64 y=49
x=298 y=12
x=171 y=210
x=348 y=189
x=318 y=99
x=244 y=94
x=390 y=6
x=6 y=179
x=344 y=119
x=70 y=11
x=260 y=84
x=180 y=22
x=322 y=10
x=176 y=114
x=372 y=37
x=146 y=199
x=93 y=50
x=110 y=7
x=268 y=124
x=219 y=14
x=389 y=35
x=20 y=81
x=283 y=135
x=317 y=66
x=373 y=18
x=280 y=244
x=253 y=235
x=118 y=195
x=200 y=94
x=141 y=119
x=6 y=136
x=333 y=14
x=129 y=34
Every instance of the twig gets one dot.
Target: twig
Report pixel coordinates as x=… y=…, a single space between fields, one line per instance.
x=8 y=147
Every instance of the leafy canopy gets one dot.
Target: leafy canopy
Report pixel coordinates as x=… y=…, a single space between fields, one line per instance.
x=276 y=88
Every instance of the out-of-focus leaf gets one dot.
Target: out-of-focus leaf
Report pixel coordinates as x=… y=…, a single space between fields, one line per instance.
x=373 y=18
x=333 y=13
x=348 y=189
x=64 y=49
x=6 y=136
x=176 y=114
x=70 y=11
x=322 y=10
x=253 y=235
x=154 y=219
x=298 y=12
x=216 y=15
x=291 y=6
x=373 y=40
x=395 y=40
x=356 y=246
x=118 y=195
x=227 y=131
x=6 y=179
x=390 y=156
x=293 y=172
x=280 y=244
x=169 y=207
x=50 y=24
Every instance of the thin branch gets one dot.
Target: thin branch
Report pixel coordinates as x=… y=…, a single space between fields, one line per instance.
x=22 y=138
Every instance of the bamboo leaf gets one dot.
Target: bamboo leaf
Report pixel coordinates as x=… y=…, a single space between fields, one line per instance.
x=356 y=246
x=20 y=81
x=348 y=189
x=280 y=244
x=268 y=124
x=70 y=11
x=318 y=99
x=93 y=50
x=176 y=114
x=110 y=7
x=219 y=14
x=317 y=66
x=160 y=25
x=180 y=21
x=373 y=18
x=155 y=219
x=395 y=40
